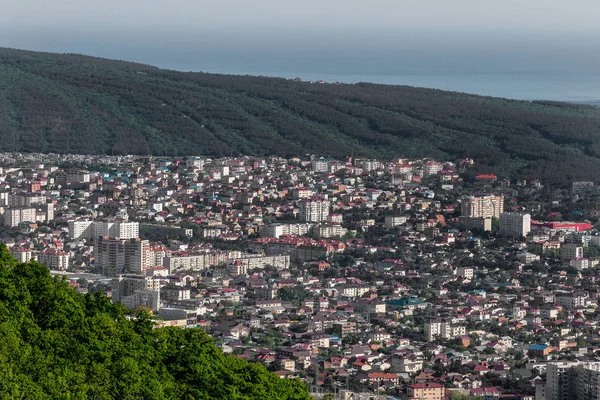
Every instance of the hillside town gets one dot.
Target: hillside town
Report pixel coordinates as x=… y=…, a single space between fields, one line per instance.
x=400 y=279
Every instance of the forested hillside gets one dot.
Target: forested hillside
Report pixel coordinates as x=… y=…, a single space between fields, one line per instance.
x=58 y=344
x=79 y=104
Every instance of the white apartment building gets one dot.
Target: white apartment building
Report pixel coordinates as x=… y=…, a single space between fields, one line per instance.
x=440 y=329
x=22 y=255
x=559 y=380
x=277 y=230
x=116 y=256
x=320 y=164
x=79 y=230
x=302 y=193
x=114 y=229
x=197 y=262
x=14 y=216
x=431 y=168
x=313 y=210
x=117 y=229
x=407 y=364
x=328 y=231
x=571 y=251
x=465 y=272
x=514 y=224
x=570 y=380
x=353 y=291
x=393 y=220
x=368 y=165
x=527 y=258
x=55 y=259
x=25 y=200
x=241 y=266
x=574 y=299
x=482 y=206
x=194 y=162
x=134 y=291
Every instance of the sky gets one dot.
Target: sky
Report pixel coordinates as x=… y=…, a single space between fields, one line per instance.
x=244 y=15
x=376 y=37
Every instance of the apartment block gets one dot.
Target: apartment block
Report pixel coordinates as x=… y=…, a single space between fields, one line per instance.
x=117 y=256
x=514 y=224
x=313 y=210
x=482 y=206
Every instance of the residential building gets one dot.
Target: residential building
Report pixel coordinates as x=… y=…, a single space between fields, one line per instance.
x=570 y=251
x=482 y=206
x=16 y=215
x=560 y=383
x=515 y=225
x=426 y=391
x=117 y=256
x=313 y=210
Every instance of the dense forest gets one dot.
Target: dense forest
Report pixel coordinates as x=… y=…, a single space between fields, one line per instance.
x=58 y=344
x=78 y=104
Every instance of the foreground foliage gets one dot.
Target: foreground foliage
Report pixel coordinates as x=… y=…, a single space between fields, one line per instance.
x=58 y=344
x=78 y=104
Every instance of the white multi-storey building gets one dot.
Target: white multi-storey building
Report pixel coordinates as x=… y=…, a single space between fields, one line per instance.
x=394 y=220
x=328 y=231
x=571 y=251
x=197 y=262
x=55 y=259
x=14 y=216
x=277 y=230
x=320 y=164
x=114 y=229
x=81 y=230
x=514 y=224
x=313 y=210
x=117 y=229
x=482 y=207
x=134 y=291
x=440 y=329
x=116 y=256
x=241 y=266
x=559 y=380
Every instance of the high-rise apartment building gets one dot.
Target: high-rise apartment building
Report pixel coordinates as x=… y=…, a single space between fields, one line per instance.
x=134 y=291
x=570 y=380
x=441 y=329
x=117 y=229
x=515 y=225
x=114 y=229
x=482 y=206
x=313 y=210
x=14 y=216
x=571 y=251
x=117 y=256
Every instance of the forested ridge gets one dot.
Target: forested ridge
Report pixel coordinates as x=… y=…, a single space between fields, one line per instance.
x=58 y=344
x=79 y=104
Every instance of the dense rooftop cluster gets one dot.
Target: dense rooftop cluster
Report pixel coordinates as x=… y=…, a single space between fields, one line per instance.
x=412 y=278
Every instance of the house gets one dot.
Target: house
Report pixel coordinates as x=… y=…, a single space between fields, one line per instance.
x=426 y=391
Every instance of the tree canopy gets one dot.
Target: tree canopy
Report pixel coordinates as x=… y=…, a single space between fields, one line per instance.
x=67 y=103
x=58 y=344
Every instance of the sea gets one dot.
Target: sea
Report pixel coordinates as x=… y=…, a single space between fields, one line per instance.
x=557 y=76
x=522 y=78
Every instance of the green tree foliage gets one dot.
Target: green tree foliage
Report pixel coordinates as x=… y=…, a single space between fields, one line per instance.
x=77 y=104
x=58 y=344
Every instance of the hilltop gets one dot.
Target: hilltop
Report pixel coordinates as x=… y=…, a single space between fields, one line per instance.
x=57 y=343
x=69 y=103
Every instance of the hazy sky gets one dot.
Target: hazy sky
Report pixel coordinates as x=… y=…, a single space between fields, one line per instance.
x=192 y=15
x=264 y=35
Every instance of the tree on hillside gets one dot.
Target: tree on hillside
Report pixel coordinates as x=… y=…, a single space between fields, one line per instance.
x=57 y=343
